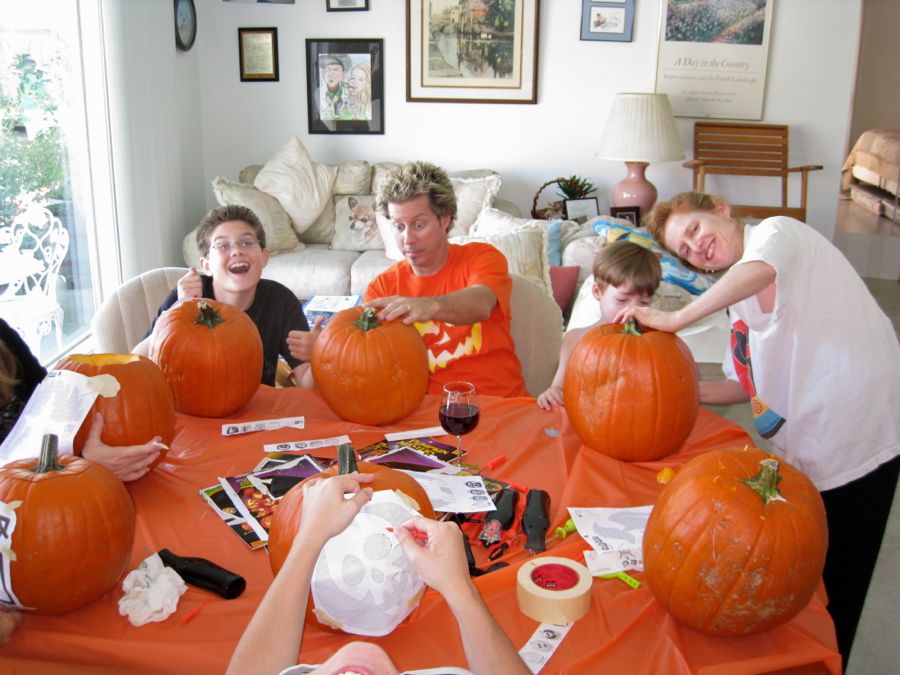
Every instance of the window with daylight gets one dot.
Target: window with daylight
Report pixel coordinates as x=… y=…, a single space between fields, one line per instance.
x=49 y=274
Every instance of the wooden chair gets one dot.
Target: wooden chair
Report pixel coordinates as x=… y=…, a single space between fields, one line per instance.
x=737 y=149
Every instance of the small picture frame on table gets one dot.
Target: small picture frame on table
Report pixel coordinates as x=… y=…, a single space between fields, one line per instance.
x=611 y=20
x=632 y=213
x=345 y=85
x=258 y=50
x=347 y=5
x=582 y=210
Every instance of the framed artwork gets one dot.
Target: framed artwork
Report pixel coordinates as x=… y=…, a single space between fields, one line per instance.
x=347 y=5
x=711 y=57
x=472 y=52
x=258 y=49
x=345 y=85
x=582 y=210
x=632 y=213
x=611 y=20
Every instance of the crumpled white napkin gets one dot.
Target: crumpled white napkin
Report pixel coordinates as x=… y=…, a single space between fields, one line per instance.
x=151 y=592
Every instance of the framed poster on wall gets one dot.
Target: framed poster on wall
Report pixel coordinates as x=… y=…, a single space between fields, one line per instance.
x=712 y=57
x=463 y=52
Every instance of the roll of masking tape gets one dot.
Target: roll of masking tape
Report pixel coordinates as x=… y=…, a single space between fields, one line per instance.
x=553 y=590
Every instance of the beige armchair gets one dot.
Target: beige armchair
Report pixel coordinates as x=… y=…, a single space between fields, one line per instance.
x=125 y=317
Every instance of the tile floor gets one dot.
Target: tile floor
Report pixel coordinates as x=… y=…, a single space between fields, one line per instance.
x=876 y=649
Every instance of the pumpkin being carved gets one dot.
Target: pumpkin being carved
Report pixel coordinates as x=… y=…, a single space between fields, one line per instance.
x=631 y=395
x=370 y=372
x=736 y=543
x=289 y=510
x=142 y=408
x=72 y=524
x=211 y=355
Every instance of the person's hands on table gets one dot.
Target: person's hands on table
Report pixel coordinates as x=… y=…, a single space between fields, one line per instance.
x=551 y=397
x=326 y=512
x=652 y=318
x=128 y=462
x=409 y=310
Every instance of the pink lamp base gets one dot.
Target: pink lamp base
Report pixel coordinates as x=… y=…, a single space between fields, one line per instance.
x=634 y=189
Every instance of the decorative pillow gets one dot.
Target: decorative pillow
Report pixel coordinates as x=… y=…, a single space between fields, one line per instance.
x=275 y=222
x=301 y=185
x=321 y=231
x=525 y=251
x=493 y=221
x=473 y=195
x=353 y=178
x=355 y=227
x=563 y=279
x=673 y=270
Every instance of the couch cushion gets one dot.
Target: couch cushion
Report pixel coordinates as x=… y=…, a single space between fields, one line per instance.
x=301 y=185
x=314 y=270
x=365 y=268
x=353 y=178
x=355 y=227
x=276 y=223
x=493 y=221
x=473 y=195
x=525 y=250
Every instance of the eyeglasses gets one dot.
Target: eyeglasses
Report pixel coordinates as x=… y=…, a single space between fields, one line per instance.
x=226 y=246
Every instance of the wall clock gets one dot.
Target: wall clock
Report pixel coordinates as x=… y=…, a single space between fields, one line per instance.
x=185 y=24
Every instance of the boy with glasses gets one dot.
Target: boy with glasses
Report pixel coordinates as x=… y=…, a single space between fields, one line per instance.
x=230 y=271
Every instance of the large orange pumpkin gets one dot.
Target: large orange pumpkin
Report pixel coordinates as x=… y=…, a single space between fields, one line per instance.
x=72 y=529
x=736 y=543
x=289 y=510
x=629 y=394
x=211 y=355
x=142 y=408
x=370 y=372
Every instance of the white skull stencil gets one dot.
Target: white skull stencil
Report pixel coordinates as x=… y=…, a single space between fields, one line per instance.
x=363 y=580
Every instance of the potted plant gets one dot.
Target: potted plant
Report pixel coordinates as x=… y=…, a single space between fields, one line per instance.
x=573 y=187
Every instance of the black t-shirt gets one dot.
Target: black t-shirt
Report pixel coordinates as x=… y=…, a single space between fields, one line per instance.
x=30 y=373
x=275 y=311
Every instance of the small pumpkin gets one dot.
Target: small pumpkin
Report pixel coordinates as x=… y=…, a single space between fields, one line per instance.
x=288 y=512
x=211 y=355
x=630 y=394
x=369 y=372
x=142 y=408
x=72 y=527
x=736 y=543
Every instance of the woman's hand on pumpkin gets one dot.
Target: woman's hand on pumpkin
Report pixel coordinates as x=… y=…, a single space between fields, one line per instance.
x=551 y=397
x=128 y=462
x=300 y=342
x=651 y=318
x=440 y=557
x=190 y=285
x=326 y=512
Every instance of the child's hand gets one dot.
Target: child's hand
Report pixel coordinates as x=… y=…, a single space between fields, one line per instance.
x=190 y=285
x=553 y=396
x=128 y=462
x=300 y=342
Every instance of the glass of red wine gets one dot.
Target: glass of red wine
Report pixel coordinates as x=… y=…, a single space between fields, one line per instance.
x=459 y=411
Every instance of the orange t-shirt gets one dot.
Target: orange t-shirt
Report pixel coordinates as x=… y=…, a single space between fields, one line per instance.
x=483 y=352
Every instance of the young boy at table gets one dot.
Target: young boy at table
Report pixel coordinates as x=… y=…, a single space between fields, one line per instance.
x=233 y=243
x=271 y=642
x=625 y=274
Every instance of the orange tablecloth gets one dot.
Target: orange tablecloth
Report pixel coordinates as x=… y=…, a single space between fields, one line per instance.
x=625 y=631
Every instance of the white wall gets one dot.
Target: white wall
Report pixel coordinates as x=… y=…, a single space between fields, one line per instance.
x=810 y=87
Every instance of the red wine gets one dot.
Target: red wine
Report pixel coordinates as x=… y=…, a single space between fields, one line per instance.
x=458 y=418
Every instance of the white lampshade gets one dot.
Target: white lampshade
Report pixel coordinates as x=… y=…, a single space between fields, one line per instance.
x=640 y=128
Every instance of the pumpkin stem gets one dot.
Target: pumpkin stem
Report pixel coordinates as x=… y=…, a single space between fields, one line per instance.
x=208 y=315
x=631 y=327
x=346 y=459
x=367 y=320
x=765 y=483
x=48 y=462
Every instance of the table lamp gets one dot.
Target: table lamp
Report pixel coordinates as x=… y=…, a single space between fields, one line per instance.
x=640 y=129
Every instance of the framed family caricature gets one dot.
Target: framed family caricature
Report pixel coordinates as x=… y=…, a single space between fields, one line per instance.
x=345 y=86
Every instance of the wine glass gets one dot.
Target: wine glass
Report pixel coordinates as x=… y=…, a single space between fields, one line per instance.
x=459 y=411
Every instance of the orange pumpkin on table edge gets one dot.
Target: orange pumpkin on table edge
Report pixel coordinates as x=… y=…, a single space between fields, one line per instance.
x=142 y=408
x=369 y=372
x=630 y=394
x=73 y=533
x=211 y=355
x=736 y=543
x=288 y=512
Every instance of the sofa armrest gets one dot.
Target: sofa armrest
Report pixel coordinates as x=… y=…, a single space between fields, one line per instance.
x=536 y=326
